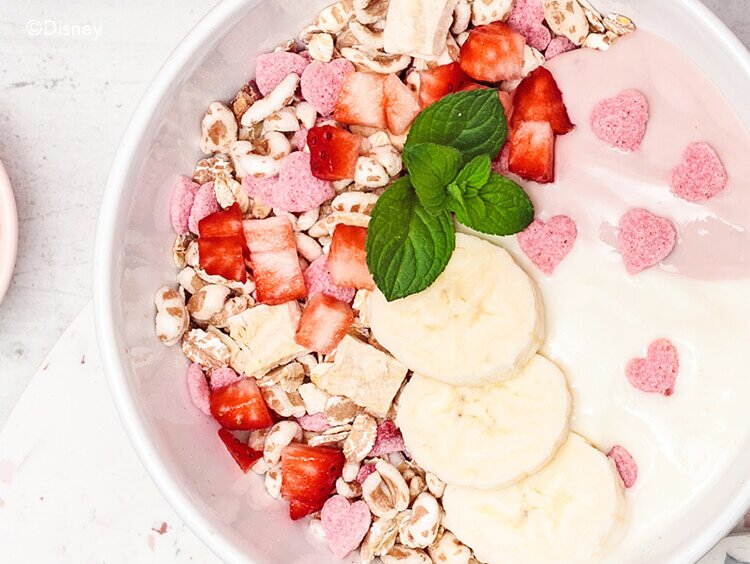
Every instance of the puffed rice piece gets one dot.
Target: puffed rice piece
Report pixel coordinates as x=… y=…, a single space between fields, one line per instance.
x=207 y=302
x=308 y=247
x=233 y=306
x=341 y=410
x=421 y=527
x=566 y=17
x=320 y=46
x=350 y=471
x=285 y=120
x=349 y=490
x=448 y=548
x=371 y=60
x=179 y=250
x=278 y=400
x=380 y=539
x=316 y=528
x=435 y=485
x=228 y=192
x=208 y=169
x=357 y=202
x=206 y=349
x=461 y=17
x=279 y=97
x=417 y=485
x=325 y=227
x=279 y=437
x=361 y=439
x=400 y=554
x=385 y=491
x=172 y=319
x=218 y=129
x=488 y=11
x=389 y=158
x=272 y=482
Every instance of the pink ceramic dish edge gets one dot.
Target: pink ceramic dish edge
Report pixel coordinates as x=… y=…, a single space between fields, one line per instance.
x=108 y=277
x=8 y=232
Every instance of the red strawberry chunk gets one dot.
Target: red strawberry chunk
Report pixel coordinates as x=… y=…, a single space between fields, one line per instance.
x=240 y=407
x=538 y=98
x=323 y=324
x=274 y=260
x=223 y=256
x=226 y=223
x=401 y=105
x=440 y=81
x=308 y=475
x=347 y=259
x=221 y=244
x=333 y=152
x=362 y=100
x=532 y=151
x=243 y=455
x=493 y=53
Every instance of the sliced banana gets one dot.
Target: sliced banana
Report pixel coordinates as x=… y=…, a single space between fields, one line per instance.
x=481 y=320
x=566 y=513
x=486 y=437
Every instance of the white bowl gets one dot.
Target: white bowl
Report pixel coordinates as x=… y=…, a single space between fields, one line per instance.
x=8 y=232
x=178 y=446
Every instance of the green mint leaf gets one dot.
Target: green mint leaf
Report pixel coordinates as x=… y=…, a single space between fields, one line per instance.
x=500 y=207
x=472 y=122
x=431 y=168
x=407 y=246
x=475 y=174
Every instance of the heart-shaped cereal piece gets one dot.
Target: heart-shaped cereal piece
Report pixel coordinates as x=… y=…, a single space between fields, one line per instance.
x=181 y=203
x=626 y=466
x=198 y=388
x=321 y=83
x=220 y=377
x=548 y=243
x=526 y=18
x=621 y=121
x=658 y=371
x=272 y=68
x=644 y=239
x=701 y=175
x=345 y=524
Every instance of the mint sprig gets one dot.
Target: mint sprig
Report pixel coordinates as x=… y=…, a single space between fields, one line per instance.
x=448 y=155
x=407 y=246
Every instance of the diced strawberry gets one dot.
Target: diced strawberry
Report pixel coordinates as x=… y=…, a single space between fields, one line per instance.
x=492 y=53
x=362 y=100
x=440 y=81
x=538 y=98
x=401 y=105
x=333 y=152
x=240 y=407
x=469 y=86
x=347 y=259
x=507 y=102
x=323 y=324
x=223 y=256
x=532 y=151
x=243 y=455
x=300 y=509
x=226 y=223
x=221 y=244
x=308 y=475
x=274 y=260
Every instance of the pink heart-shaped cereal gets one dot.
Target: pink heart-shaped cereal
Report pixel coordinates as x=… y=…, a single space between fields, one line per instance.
x=548 y=243
x=701 y=175
x=644 y=239
x=220 y=377
x=621 y=121
x=345 y=524
x=625 y=464
x=198 y=388
x=321 y=83
x=658 y=371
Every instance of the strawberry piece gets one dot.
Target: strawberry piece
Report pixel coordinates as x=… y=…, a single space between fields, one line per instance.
x=492 y=53
x=401 y=105
x=221 y=244
x=333 y=152
x=243 y=455
x=538 y=98
x=323 y=324
x=532 y=151
x=240 y=407
x=223 y=256
x=347 y=259
x=308 y=475
x=507 y=102
x=362 y=100
x=440 y=81
x=226 y=223
x=274 y=260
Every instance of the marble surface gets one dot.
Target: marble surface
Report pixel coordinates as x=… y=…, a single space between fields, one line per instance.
x=70 y=76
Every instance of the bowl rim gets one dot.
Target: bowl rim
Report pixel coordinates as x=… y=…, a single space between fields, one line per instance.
x=105 y=268
x=8 y=232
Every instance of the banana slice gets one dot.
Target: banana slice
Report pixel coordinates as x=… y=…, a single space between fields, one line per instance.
x=569 y=512
x=486 y=437
x=481 y=320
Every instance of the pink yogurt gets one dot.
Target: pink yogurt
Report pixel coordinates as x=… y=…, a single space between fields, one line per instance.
x=596 y=184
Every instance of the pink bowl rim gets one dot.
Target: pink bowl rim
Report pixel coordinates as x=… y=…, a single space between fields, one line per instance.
x=8 y=232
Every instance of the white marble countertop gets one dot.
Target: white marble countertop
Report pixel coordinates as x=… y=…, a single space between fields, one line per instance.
x=66 y=94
